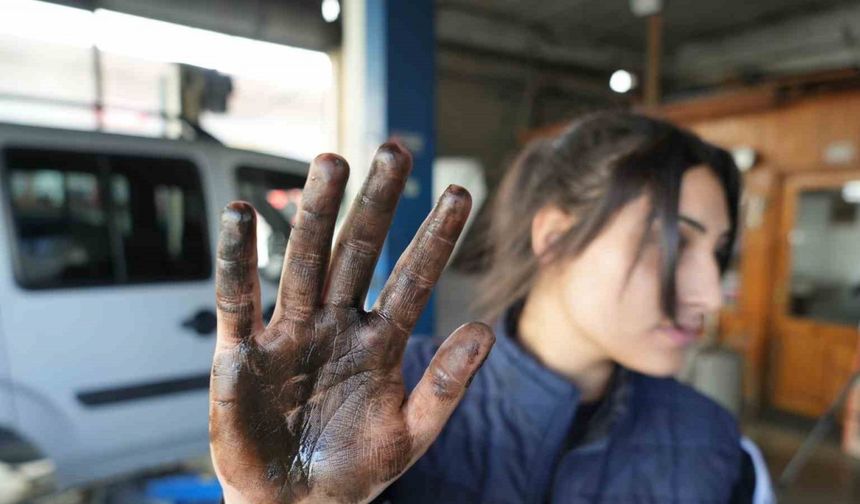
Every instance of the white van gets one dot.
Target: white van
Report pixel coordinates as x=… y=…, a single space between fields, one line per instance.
x=107 y=317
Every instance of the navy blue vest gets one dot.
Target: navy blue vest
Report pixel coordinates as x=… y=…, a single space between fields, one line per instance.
x=509 y=441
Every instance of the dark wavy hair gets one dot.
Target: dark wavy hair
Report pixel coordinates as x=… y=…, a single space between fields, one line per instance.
x=600 y=163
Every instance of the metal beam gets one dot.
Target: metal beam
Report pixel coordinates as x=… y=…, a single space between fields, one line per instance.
x=469 y=64
x=390 y=72
x=520 y=39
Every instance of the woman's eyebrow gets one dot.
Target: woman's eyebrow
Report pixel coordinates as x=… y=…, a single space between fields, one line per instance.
x=698 y=226
x=693 y=223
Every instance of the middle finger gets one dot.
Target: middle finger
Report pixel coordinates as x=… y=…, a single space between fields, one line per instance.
x=363 y=233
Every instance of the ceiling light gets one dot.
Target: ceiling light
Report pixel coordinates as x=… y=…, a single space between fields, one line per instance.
x=46 y=22
x=330 y=10
x=622 y=81
x=153 y=40
x=644 y=8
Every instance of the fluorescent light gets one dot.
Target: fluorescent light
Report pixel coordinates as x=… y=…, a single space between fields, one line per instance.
x=622 y=81
x=46 y=22
x=330 y=10
x=851 y=192
x=644 y=8
x=160 y=41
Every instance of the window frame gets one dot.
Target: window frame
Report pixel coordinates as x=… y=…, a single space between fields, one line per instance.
x=103 y=169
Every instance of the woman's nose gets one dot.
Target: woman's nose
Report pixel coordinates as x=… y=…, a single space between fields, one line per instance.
x=701 y=287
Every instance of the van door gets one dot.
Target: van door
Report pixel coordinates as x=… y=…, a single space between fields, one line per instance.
x=109 y=322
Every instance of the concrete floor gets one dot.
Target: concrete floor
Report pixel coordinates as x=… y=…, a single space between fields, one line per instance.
x=829 y=476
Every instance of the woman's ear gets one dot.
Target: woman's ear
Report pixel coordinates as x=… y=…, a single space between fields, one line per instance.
x=548 y=225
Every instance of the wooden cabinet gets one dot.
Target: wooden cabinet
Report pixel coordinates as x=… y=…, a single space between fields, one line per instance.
x=798 y=375
x=811 y=365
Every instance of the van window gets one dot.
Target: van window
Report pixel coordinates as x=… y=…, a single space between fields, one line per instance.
x=277 y=197
x=160 y=218
x=60 y=219
x=93 y=219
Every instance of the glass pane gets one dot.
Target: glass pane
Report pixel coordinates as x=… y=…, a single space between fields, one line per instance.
x=825 y=245
x=60 y=219
x=277 y=197
x=159 y=213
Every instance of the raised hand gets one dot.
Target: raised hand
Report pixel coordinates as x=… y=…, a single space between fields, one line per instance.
x=312 y=408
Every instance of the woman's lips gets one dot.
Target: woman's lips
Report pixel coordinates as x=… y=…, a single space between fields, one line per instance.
x=682 y=336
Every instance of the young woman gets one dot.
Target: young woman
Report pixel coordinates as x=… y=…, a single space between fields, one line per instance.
x=605 y=249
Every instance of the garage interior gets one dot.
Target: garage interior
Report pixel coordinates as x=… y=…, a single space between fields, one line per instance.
x=465 y=85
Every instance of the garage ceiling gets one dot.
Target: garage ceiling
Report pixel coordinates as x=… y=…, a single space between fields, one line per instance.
x=611 y=21
x=705 y=41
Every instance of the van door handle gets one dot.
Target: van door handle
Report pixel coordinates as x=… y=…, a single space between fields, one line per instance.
x=203 y=322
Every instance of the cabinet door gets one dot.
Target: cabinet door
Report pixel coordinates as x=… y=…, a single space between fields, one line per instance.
x=817 y=304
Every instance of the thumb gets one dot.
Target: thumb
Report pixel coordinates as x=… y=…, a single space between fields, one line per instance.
x=444 y=383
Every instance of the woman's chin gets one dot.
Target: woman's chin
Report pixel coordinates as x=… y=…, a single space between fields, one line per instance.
x=658 y=364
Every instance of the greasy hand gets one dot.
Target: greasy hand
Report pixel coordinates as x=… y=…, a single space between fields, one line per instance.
x=312 y=408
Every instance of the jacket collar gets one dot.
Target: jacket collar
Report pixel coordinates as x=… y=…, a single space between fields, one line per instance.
x=541 y=391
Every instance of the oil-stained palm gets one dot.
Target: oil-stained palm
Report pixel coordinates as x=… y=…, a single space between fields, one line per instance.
x=312 y=408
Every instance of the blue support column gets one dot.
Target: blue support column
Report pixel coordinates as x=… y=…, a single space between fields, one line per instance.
x=400 y=90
